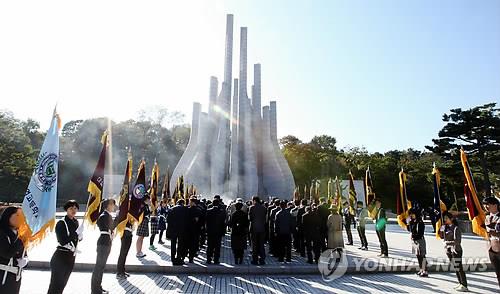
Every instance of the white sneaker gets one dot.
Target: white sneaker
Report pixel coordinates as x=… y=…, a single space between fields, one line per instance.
x=461 y=288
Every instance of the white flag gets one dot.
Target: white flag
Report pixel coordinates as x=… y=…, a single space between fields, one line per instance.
x=39 y=204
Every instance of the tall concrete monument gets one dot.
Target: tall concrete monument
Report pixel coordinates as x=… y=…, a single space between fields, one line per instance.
x=233 y=148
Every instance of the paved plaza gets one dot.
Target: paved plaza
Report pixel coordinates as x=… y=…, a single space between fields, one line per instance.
x=159 y=260
x=36 y=282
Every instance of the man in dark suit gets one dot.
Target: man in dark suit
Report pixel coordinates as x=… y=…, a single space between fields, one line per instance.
x=312 y=233
x=300 y=228
x=283 y=227
x=272 y=235
x=195 y=223
x=323 y=213
x=257 y=216
x=177 y=220
x=216 y=228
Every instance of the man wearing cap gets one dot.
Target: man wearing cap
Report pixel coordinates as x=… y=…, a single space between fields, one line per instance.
x=492 y=223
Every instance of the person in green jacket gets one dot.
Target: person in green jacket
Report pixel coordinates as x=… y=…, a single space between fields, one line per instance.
x=380 y=222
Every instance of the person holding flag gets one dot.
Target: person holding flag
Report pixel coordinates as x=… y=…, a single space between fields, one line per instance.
x=105 y=224
x=122 y=222
x=452 y=239
x=380 y=223
x=68 y=233
x=21 y=229
x=493 y=228
x=361 y=215
x=12 y=250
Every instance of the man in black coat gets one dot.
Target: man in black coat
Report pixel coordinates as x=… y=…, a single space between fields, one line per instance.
x=347 y=216
x=195 y=223
x=272 y=235
x=323 y=212
x=283 y=227
x=216 y=228
x=257 y=217
x=300 y=228
x=177 y=220
x=239 y=230
x=311 y=222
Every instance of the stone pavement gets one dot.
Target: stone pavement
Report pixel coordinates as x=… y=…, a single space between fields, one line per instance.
x=159 y=261
x=36 y=282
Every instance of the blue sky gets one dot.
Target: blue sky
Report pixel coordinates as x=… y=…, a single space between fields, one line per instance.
x=378 y=74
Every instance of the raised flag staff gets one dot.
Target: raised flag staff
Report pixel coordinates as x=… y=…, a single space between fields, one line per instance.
x=439 y=207
x=96 y=185
x=476 y=213
x=403 y=205
x=370 y=194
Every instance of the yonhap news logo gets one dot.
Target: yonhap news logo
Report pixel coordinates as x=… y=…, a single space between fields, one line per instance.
x=333 y=264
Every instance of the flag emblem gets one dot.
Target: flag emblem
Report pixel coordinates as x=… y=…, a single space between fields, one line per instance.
x=139 y=191
x=45 y=172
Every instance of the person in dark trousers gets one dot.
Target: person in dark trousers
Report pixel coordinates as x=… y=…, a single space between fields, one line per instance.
x=177 y=219
x=195 y=222
x=63 y=260
x=380 y=224
x=492 y=223
x=452 y=238
x=126 y=242
x=216 y=228
x=416 y=227
x=153 y=229
x=312 y=234
x=283 y=227
x=300 y=228
x=347 y=217
x=12 y=259
x=361 y=215
x=162 y=219
x=105 y=224
x=257 y=217
x=203 y=232
x=323 y=212
x=294 y=210
x=239 y=230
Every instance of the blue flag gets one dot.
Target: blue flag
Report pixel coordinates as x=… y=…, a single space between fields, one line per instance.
x=39 y=204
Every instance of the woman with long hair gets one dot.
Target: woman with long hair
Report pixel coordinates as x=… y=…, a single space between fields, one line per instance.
x=452 y=238
x=12 y=259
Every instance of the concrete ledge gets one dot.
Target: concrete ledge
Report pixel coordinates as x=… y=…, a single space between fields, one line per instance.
x=224 y=269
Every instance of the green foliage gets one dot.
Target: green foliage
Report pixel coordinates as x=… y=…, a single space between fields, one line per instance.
x=148 y=137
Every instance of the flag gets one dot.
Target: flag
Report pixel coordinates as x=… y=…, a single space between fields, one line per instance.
x=439 y=206
x=476 y=213
x=311 y=192
x=317 y=189
x=137 y=198
x=338 y=194
x=352 y=195
x=39 y=204
x=305 y=193
x=122 y=218
x=165 y=191
x=180 y=188
x=329 y=189
x=153 y=187
x=370 y=195
x=296 y=195
x=402 y=202
x=96 y=185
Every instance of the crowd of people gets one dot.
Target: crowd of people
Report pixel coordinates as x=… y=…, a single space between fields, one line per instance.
x=308 y=228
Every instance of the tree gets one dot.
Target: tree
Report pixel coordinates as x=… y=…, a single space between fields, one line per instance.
x=477 y=131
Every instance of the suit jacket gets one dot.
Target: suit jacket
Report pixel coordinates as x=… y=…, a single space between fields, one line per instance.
x=216 y=221
x=311 y=222
x=177 y=220
x=257 y=216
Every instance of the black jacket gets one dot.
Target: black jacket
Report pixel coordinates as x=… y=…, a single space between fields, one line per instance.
x=10 y=247
x=283 y=224
x=311 y=222
x=69 y=235
x=216 y=221
x=416 y=228
x=257 y=217
x=239 y=223
x=177 y=220
x=105 y=224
